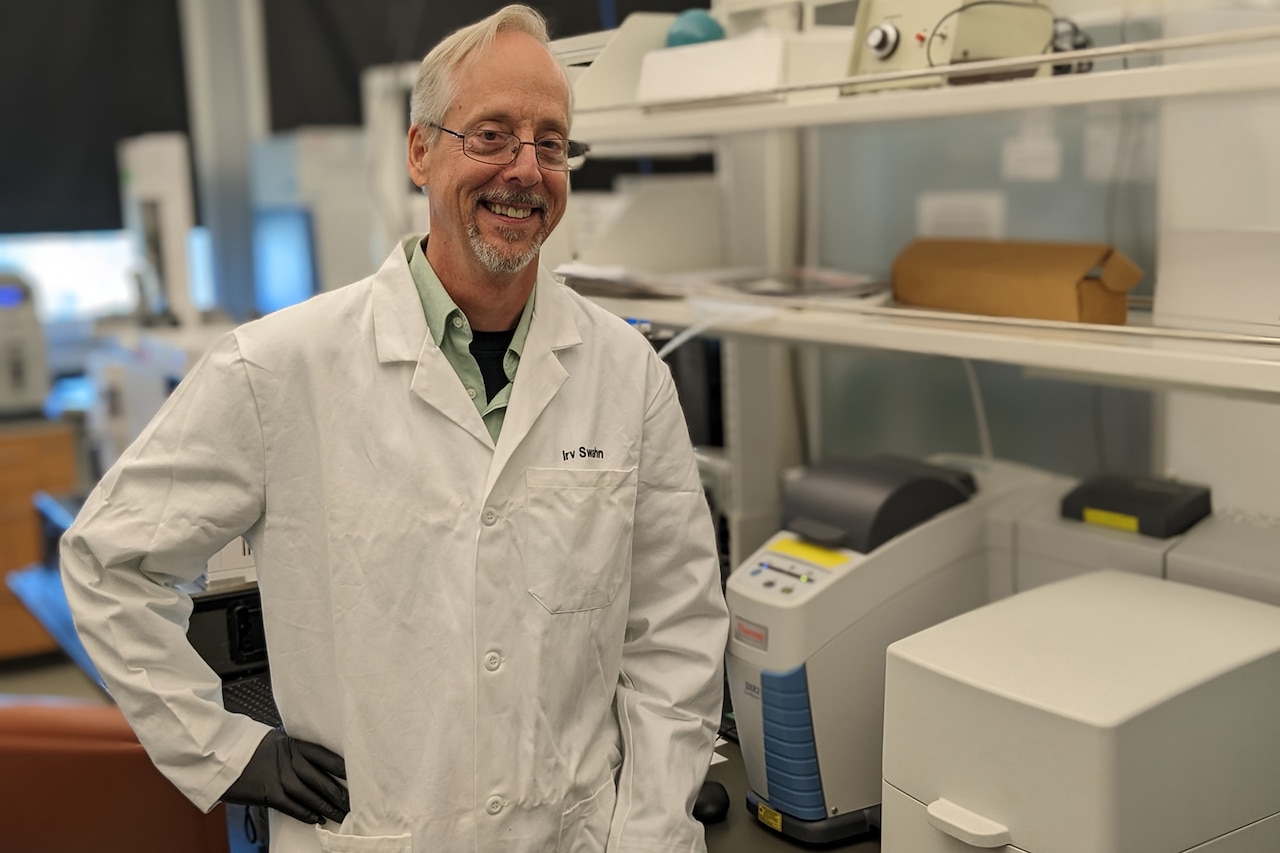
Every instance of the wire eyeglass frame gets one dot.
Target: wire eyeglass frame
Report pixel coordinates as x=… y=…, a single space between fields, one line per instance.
x=502 y=148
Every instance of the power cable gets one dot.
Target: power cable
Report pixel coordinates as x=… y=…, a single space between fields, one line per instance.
x=928 y=47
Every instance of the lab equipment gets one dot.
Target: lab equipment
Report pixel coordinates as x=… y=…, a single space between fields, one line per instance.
x=1147 y=505
x=910 y=35
x=1109 y=712
x=24 y=373
x=1125 y=523
x=158 y=207
x=284 y=266
x=1230 y=551
x=312 y=212
x=134 y=375
x=870 y=552
x=226 y=630
x=752 y=67
x=1046 y=539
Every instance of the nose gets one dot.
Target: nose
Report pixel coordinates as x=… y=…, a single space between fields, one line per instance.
x=524 y=169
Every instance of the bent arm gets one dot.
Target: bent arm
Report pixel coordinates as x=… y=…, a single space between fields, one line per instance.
x=190 y=483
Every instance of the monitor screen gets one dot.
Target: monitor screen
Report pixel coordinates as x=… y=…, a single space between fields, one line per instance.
x=283 y=257
x=76 y=276
x=12 y=295
x=200 y=268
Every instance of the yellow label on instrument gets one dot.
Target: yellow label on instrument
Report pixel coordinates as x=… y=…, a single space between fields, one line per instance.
x=824 y=557
x=769 y=817
x=1105 y=518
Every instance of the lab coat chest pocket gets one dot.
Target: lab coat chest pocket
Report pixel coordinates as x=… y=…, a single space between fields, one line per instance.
x=578 y=526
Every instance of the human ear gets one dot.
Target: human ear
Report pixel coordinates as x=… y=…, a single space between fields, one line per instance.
x=417 y=155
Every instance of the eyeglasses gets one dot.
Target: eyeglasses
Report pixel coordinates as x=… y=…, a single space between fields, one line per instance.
x=500 y=149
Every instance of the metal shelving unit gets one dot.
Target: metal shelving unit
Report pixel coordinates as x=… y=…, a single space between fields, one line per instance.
x=1226 y=364
x=633 y=125
x=1138 y=354
x=1135 y=356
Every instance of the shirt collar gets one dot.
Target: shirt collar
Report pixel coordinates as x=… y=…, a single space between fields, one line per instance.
x=436 y=302
x=439 y=306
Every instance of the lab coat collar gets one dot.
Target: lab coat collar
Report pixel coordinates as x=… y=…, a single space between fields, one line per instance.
x=540 y=374
x=399 y=324
x=400 y=335
x=554 y=325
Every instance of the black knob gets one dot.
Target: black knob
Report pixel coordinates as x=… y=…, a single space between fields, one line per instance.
x=883 y=40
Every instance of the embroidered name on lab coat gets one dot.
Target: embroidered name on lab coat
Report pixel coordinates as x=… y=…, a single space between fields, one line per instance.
x=583 y=453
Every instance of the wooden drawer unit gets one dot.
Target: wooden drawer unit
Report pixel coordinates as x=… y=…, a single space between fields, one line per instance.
x=34 y=456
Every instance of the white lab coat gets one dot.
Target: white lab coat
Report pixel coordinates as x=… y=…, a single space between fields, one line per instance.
x=516 y=648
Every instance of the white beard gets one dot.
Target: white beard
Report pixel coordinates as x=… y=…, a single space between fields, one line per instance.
x=497 y=261
x=492 y=257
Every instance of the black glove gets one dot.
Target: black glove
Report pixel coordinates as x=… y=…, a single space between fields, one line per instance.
x=295 y=777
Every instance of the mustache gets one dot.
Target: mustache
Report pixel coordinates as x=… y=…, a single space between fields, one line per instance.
x=515 y=198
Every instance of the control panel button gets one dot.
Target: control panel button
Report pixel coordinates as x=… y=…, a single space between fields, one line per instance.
x=882 y=40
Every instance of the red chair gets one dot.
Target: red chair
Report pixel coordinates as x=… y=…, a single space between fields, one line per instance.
x=73 y=779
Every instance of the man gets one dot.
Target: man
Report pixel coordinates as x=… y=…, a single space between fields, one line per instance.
x=489 y=581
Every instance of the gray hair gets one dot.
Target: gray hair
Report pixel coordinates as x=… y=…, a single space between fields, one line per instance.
x=435 y=88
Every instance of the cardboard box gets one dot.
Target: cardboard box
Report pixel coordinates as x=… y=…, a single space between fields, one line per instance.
x=1079 y=282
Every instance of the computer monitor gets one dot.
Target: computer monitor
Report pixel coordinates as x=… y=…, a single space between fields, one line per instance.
x=284 y=261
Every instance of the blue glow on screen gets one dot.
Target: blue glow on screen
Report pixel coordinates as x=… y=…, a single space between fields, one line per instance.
x=11 y=296
x=200 y=268
x=77 y=275
x=283 y=257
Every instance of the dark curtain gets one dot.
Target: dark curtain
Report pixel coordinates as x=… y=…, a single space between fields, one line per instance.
x=75 y=77
x=316 y=49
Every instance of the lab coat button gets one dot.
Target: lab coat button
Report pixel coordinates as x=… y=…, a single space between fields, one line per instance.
x=490 y=516
x=471 y=392
x=492 y=661
x=457 y=322
x=494 y=805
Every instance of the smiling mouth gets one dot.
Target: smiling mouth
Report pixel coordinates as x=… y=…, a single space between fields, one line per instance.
x=510 y=211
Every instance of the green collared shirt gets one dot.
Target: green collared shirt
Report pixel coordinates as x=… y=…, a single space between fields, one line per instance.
x=451 y=331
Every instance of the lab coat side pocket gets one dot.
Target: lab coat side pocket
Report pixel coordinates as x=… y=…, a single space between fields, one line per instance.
x=331 y=842
x=584 y=828
x=578 y=531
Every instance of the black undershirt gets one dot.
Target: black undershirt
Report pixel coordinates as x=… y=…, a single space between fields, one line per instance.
x=489 y=349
